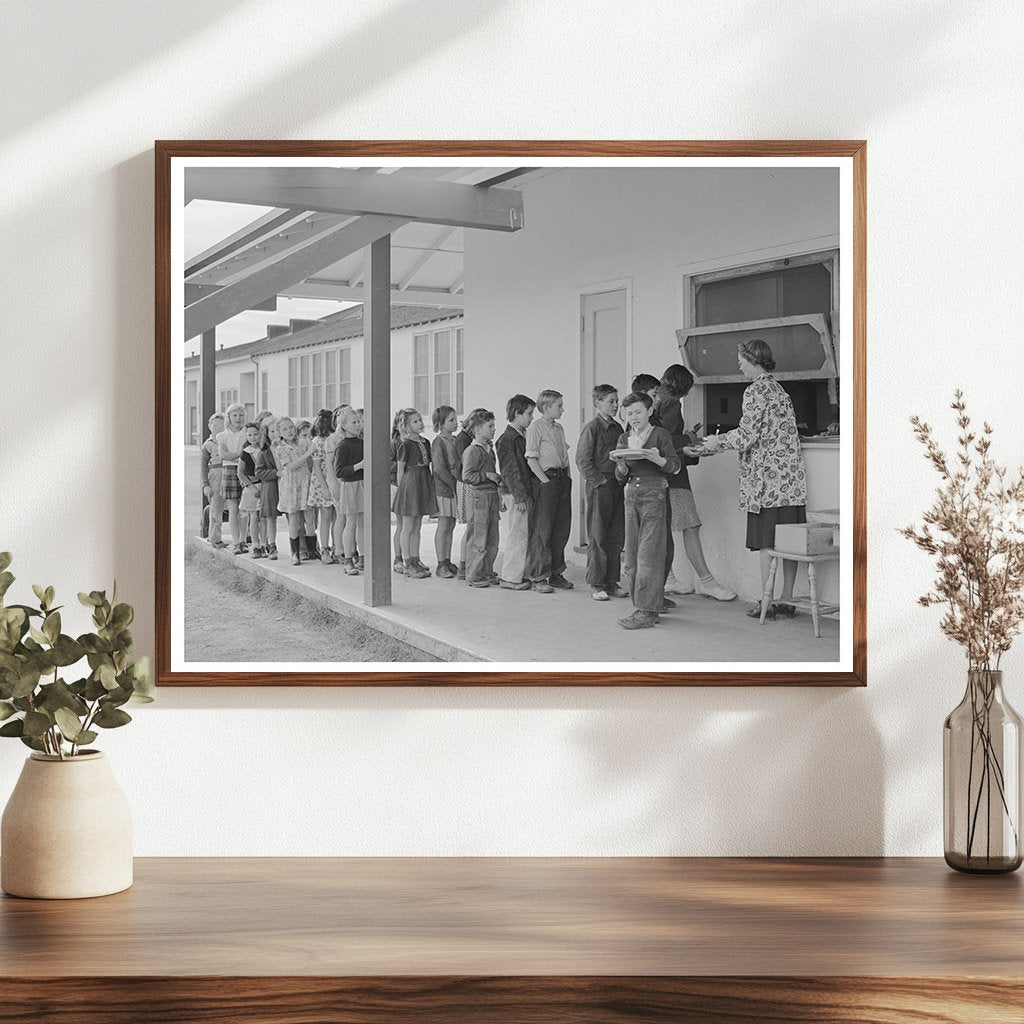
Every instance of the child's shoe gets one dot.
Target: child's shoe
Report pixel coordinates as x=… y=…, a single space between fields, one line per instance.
x=257 y=553
x=351 y=569
x=480 y=583
x=639 y=620
x=327 y=557
x=399 y=567
x=444 y=572
x=493 y=578
x=509 y=585
x=667 y=604
x=272 y=552
x=559 y=582
x=673 y=586
x=460 y=573
x=600 y=594
x=542 y=587
x=614 y=590
x=360 y=563
x=416 y=570
x=454 y=568
x=296 y=556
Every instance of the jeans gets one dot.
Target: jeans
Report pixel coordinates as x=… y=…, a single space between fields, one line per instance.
x=550 y=524
x=605 y=533
x=216 y=505
x=481 y=532
x=515 y=546
x=646 y=540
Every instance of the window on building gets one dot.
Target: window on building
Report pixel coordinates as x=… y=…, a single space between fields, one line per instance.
x=790 y=304
x=437 y=370
x=228 y=397
x=319 y=380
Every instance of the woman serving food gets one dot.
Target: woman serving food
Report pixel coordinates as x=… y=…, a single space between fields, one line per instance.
x=772 y=477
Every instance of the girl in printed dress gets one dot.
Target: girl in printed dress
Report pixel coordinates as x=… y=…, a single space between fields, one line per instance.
x=321 y=500
x=444 y=467
x=414 y=498
x=293 y=460
x=348 y=467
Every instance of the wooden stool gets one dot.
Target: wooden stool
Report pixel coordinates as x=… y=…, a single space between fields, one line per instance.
x=812 y=563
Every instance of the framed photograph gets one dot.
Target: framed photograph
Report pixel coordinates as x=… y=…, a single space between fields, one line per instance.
x=492 y=413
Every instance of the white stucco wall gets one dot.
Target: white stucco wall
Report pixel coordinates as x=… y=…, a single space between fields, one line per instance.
x=933 y=86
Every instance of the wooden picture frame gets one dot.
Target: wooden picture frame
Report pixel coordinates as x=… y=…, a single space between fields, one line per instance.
x=410 y=197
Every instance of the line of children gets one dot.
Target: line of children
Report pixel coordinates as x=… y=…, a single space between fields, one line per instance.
x=315 y=471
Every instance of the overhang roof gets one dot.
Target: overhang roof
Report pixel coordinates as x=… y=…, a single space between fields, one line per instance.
x=426 y=259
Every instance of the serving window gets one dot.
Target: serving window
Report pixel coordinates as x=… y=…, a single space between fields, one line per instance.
x=790 y=304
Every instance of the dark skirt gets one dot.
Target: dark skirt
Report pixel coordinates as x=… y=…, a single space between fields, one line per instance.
x=230 y=485
x=415 y=494
x=270 y=497
x=761 y=525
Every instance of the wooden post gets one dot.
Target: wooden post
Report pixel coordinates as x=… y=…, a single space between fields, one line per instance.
x=377 y=423
x=207 y=401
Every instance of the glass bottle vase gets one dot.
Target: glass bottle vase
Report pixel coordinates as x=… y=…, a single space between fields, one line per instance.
x=981 y=774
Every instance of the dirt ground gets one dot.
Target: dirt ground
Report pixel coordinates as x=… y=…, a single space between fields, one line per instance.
x=228 y=614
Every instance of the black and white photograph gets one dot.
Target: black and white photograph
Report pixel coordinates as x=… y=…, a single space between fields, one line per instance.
x=511 y=415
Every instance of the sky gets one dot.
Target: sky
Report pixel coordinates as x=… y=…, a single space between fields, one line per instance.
x=207 y=223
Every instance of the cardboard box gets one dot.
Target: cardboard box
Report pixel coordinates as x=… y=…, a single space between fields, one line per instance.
x=804 y=539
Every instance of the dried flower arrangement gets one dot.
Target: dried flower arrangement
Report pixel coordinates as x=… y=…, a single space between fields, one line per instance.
x=975 y=528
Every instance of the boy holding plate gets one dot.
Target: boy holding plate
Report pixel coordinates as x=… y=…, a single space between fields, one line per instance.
x=644 y=459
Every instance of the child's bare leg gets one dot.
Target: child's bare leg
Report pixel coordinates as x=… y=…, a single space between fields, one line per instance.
x=695 y=552
x=407 y=537
x=415 y=523
x=326 y=526
x=359 y=531
x=399 y=530
x=443 y=538
x=349 y=536
x=236 y=528
x=338 y=531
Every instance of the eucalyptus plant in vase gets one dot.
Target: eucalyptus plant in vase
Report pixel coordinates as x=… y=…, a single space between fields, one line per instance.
x=66 y=831
x=975 y=530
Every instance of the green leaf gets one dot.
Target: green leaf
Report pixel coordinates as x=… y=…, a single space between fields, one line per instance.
x=6 y=579
x=122 y=615
x=66 y=651
x=13 y=626
x=89 y=600
x=5 y=560
x=31 y=741
x=27 y=682
x=107 y=676
x=36 y=723
x=15 y=728
x=94 y=689
x=69 y=724
x=6 y=710
x=51 y=626
x=22 y=703
x=59 y=695
x=49 y=595
x=111 y=718
x=87 y=736
x=38 y=635
x=94 y=644
x=28 y=610
x=142 y=679
x=10 y=663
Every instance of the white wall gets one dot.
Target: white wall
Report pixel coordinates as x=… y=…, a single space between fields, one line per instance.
x=933 y=86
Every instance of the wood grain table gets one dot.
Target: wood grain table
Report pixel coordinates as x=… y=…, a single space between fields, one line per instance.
x=503 y=940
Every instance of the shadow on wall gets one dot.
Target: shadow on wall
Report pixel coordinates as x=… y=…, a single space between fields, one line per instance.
x=74 y=55
x=681 y=777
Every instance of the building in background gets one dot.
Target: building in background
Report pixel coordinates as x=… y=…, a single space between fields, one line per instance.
x=309 y=365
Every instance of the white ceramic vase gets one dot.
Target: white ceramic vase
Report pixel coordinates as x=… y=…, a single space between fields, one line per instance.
x=66 y=831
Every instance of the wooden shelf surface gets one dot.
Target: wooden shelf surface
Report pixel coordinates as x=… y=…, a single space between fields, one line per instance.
x=537 y=939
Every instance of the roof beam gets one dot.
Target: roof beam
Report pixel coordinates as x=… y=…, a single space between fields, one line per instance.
x=340 y=190
x=425 y=258
x=342 y=292
x=195 y=292
x=300 y=263
x=456 y=285
x=239 y=240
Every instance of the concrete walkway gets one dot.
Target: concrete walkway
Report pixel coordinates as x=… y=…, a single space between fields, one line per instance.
x=454 y=622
